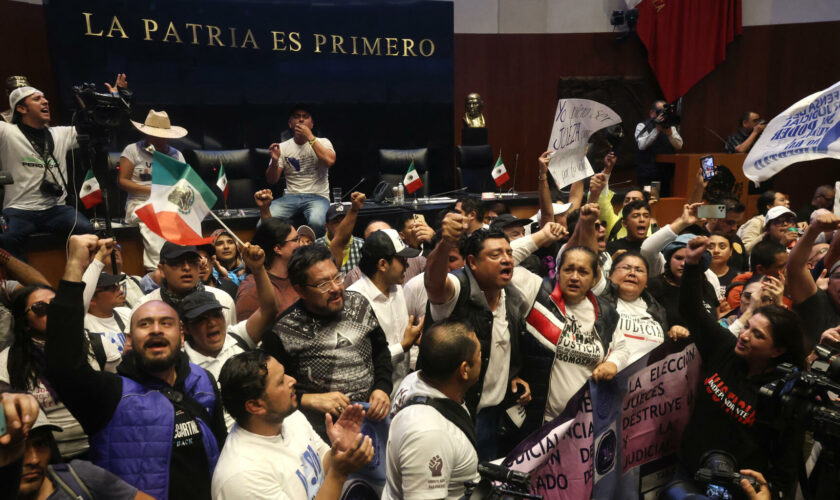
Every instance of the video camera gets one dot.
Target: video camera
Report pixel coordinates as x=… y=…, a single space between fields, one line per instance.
x=499 y=483
x=668 y=116
x=101 y=110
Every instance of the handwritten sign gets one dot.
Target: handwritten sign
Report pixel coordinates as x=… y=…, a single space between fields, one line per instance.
x=575 y=120
x=808 y=130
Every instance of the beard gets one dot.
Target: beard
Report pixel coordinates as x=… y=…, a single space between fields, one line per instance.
x=157 y=365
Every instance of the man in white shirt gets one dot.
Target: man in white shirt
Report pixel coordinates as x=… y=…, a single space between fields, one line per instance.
x=179 y=264
x=34 y=154
x=272 y=451
x=656 y=136
x=106 y=314
x=210 y=341
x=383 y=264
x=304 y=160
x=431 y=454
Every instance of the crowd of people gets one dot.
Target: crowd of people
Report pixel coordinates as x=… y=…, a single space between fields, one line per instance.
x=234 y=370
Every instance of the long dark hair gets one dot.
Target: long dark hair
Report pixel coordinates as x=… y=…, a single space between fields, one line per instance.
x=787 y=334
x=24 y=368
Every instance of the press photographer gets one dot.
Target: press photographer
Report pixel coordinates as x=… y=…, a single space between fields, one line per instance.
x=733 y=371
x=35 y=155
x=657 y=135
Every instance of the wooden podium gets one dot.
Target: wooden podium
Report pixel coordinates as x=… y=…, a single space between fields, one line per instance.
x=685 y=171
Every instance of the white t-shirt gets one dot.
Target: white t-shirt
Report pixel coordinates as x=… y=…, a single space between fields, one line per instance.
x=72 y=440
x=427 y=456
x=640 y=332
x=222 y=296
x=142 y=160
x=416 y=297
x=229 y=349
x=19 y=158
x=113 y=337
x=390 y=311
x=498 y=368
x=287 y=466
x=305 y=173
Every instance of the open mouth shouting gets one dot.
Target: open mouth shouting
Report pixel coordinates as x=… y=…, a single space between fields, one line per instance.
x=156 y=345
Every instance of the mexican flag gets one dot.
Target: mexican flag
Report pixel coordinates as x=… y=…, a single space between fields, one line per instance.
x=412 y=181
x=222 y=182
x=499 y=173
x=90 y=193
x=179 y=202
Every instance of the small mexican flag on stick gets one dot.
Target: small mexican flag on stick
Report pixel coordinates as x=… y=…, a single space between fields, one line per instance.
x=222 y=182
x=91 y=194
x=179 y=202
x=500 y=175
x=412 y=181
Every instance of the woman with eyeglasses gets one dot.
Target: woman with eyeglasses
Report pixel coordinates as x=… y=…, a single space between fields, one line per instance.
x=780 y=226
x=22 y=365
x=750 y=231
x=732 y=372
x=642 y=321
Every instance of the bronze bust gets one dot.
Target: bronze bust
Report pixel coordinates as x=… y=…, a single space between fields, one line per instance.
x=473 y=118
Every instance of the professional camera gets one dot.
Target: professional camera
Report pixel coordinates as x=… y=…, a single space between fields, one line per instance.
x=668 y=116
x=499 y=483
x=101 y=110
x=719 y=474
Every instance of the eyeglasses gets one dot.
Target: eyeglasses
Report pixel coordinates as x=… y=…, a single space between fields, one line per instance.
x=296 y=239
x=784 y=220
x=629 y=268
x=326 y=286
x=746 y=295
x=38 y=309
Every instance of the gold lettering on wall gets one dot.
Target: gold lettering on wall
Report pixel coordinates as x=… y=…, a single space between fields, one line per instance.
x=116 y=26
x=249 y=38
x=430 y=47
x=172 y=32
x=294 y=39
x=149 y=25
x=391 y=47
x=367 y=48
x=213 y=33
x=279 y=40
x=355 y=52
x=408 y=46
x=337 y=43
x=232 y=36
x=319 y=40
x=88 y=30
x=193 y=27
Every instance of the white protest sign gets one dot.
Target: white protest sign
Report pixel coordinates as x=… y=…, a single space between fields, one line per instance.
x=837 y=198
x=574 y=121
x=808 y=130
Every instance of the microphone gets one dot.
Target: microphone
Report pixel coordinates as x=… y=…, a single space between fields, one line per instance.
x=515 y=168
x=352 y=188
x=721 y=139
x=463 y=188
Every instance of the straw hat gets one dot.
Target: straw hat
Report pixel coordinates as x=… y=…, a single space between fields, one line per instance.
x=157 y=125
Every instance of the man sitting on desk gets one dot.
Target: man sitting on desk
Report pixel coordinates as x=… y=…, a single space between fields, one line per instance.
x=304 y=160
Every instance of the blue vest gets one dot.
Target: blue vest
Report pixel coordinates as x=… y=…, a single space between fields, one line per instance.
x=136 y=445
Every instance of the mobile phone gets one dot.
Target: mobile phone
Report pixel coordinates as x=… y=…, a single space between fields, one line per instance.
x=711 y=211
x=655 y=187
x=2 y=422
x=707 y=163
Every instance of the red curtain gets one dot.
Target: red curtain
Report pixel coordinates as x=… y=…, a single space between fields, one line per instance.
x=686 y=39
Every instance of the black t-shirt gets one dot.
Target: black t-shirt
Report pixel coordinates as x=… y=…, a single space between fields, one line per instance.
x=818 y=314
x=189 y=472
x=726 y=279
x=623 y=244
x=669 y=296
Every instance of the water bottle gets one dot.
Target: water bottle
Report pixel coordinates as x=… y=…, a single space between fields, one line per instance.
x=401 y=194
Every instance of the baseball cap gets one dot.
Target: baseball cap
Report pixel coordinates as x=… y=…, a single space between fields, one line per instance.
x=776 y=212
x=43 y=422
x=386 y=243
x=508 y=220
x=198 y=303
x=107 y=280
x=171 y=251
x=336 y=210
x=306 y=231
x=20 y=94
x=557 y=208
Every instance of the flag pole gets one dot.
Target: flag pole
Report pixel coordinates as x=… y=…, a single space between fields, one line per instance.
x=499 y=185
x=226 y=213
x=224 y=226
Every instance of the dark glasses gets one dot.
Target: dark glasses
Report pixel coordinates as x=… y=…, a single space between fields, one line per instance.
x=38 y=308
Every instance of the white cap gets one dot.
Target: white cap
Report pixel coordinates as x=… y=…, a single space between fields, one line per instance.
x=20 y=94
x=776 y=212
x=42 y=422
x=557 y=208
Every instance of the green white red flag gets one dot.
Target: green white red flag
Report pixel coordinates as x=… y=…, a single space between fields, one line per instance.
x=179 y=202
x=222 y=182
x=412 y=181
x=499 y=172
x=90 y=192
